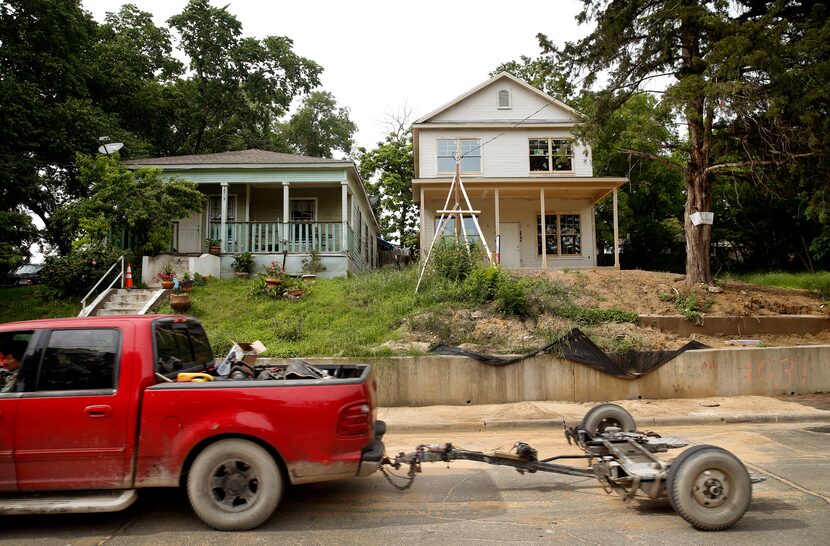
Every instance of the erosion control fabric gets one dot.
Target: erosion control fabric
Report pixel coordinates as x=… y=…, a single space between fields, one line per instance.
x=578 y=347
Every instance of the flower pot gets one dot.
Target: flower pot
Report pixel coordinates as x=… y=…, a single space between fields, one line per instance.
x=242 y=275
x=215 y=250
x=180 y=302
x=186 y=286
x=294 y=293
x=167 y=285
x=308 y=278
x=272 y=283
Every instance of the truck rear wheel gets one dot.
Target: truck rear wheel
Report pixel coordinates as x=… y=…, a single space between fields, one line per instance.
x=234 y=485
x=709 y=487
x=603 y=416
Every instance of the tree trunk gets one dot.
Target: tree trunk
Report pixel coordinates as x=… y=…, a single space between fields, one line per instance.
x=698 y=238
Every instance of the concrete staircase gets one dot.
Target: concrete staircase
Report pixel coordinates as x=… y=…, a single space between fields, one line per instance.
x=127 y=302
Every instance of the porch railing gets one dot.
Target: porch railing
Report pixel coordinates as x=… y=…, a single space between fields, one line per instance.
x=274 y=238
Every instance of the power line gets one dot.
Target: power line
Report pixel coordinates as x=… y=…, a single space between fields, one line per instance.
x=483 y=144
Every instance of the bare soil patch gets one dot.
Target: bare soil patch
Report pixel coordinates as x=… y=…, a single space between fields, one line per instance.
x=643 y=292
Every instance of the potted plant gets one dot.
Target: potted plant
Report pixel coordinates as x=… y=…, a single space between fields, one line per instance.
x=274 y=275
x=312 y=265
x=186 y=282
x=166 y=276
x=214 y=246
x=180 y=300
x=294 y=290
x=243 y=264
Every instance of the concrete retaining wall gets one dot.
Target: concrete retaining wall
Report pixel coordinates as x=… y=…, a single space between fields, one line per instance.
x=448 y=380
x=739 y=326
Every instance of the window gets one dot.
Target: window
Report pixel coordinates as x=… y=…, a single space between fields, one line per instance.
x=549 y=155
x=13 y=347
x=80 y=360
x=302 y=210
x=180 y=347
x=504 y=99
x=469 y=149
x=562 y=234
x=216 y=208
x=449 y=228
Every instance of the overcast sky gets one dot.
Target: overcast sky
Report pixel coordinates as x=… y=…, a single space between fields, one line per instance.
x=378 y=56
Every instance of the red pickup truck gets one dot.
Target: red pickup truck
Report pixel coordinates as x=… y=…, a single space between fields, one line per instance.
x=90 y=416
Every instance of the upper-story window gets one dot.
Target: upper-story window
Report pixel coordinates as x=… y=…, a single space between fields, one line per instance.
x=469 y=149
x=550 y=155
x=504 y=100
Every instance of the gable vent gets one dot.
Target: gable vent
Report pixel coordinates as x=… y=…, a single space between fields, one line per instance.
x=504 y=99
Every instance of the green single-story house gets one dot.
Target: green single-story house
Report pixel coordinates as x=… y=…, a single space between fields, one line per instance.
x=277 y=206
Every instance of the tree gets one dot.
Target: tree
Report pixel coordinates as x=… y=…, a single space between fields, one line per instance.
x=387 y=172
x=723 y=58
x=319 y=127
x=16 y=234
x=239 y=86
x=140 y=202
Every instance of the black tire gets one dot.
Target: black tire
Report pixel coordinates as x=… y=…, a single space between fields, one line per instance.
x=709 y=487
x=602 y=416
x=234 y=485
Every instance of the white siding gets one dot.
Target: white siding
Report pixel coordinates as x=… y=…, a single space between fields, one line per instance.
x=505 y=156
x=483 y=105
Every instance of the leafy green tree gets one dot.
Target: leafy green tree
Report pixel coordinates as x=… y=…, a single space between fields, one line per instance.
x=139 y=201
x=319 y=127
x=239 y=86
x=387 y=172
x=720 y=61
x=16 y=234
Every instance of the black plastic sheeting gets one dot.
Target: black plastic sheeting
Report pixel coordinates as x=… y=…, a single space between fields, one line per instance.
x=578 y=347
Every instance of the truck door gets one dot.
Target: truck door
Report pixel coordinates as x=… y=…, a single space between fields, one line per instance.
x=73 y=425
x=14 y=352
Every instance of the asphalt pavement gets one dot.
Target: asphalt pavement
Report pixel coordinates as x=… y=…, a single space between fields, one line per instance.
x=472 y=503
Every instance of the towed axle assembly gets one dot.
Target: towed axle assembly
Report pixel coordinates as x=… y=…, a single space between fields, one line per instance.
x=706 y=485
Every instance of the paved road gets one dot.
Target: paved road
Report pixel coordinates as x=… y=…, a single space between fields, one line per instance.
x=471 y=503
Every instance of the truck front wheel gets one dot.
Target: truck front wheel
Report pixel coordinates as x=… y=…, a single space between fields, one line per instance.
x=234 y=485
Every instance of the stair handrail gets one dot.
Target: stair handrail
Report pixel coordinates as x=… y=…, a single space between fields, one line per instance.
x=104 y=276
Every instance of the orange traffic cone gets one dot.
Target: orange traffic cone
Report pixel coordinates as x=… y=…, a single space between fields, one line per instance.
x=128 y=282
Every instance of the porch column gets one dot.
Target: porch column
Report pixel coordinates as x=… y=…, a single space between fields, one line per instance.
x=247 y=202
x=422 y=234
x=344 y=214
x=616 y=234
x=286 y=211
x=498 y=228
x=223 y=232
x=544 y=229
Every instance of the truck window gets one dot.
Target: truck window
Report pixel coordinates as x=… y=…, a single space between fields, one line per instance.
x=13 y=346
x=79 y=360
x=181 y=347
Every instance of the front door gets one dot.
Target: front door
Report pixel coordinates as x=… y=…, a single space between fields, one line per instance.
x=72 y=423
x=190 y=236
x=509 y=252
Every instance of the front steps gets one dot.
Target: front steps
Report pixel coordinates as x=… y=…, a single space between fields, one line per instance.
x=127 y=302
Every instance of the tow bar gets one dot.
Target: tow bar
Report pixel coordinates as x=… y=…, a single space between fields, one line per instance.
x=706 y=485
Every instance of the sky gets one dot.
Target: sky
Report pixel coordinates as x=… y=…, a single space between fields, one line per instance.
x=379 y=57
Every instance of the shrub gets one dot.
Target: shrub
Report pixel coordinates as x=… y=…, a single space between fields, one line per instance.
x=74 y=274
x=454 y=259
x=312 y=265
x=511 y=298
x=482 y=285
x=243 y=262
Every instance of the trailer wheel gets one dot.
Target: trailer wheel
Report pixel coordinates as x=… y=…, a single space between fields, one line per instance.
x=603 y=416
x=709 y=487
x=234 y=485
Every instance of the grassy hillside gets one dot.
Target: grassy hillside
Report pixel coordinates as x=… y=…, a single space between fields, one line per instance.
x=34 y=302
x=818 y=282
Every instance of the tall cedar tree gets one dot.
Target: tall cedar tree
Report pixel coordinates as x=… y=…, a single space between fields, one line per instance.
x=719 y=60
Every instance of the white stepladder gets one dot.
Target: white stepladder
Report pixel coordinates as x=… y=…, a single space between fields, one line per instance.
x=456 y=212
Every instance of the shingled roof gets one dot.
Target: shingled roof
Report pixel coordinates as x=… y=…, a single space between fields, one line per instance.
x=240 y=157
